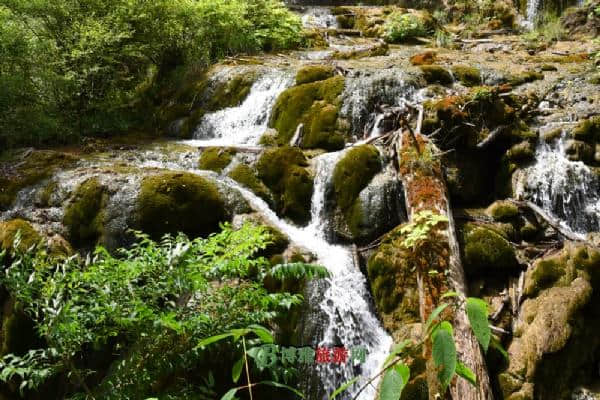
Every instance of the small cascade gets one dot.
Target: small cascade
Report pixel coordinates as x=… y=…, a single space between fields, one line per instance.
x=351 y=320
x=365 y=92
x=244 y=124
x=319 y=17
x=568 y=189
x=533 y=11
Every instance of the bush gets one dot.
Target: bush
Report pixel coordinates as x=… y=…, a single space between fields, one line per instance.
x=402 y=27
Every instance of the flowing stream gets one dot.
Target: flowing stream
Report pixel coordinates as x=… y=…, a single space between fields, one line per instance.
x=346 y=303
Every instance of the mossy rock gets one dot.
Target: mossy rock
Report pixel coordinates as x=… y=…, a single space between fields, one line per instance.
x=17 y=333
x=283 y=171
x=8 y=232
x=394 y=283
x=215 y=158
x=525 y=77
x=587 y=130
x=173 y=202
x=502 y=210
x=353 y=172
x=231 y=93
x=84 y=215
x=521 y=152
x=468 y=76
x=486 y=251
x=436 y=74
x=247 y=177
x=316 y=106
x=314 y=73
x=32 y=169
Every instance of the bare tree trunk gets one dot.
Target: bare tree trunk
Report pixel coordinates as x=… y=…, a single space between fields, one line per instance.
x=438 y=263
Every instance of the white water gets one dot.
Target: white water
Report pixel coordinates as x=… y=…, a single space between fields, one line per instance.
x=245 y=123
x=346 y=301
x=319 y=17
x=568 y=189
x=533 y=8
x=351 y=321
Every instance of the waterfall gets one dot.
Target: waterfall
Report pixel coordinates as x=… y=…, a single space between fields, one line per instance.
x=319 y=17
x=351 y=320
x=533 y=8
x=568 y=189
x=245 y=123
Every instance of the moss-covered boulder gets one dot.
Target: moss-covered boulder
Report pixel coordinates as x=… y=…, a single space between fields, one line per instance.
x=502 y=210
x=525 y=77
x=351 y=175
x=8 y=231
x=521 y=152
x=24 y=170
x=17 y=330
x=283 y=171
x=84 y=215
x=394 y=283
x=486 y=251
x=468 y=76
x=215 y=158
x=231 y=92
x=246 y=176
x=314 y=73
x=587 y=130
x=314 y=105
x=172 y=202
x=556 y=335
x=436 y=74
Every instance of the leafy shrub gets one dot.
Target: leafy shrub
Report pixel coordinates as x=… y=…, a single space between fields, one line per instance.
x=150 y=306
x=401 y=27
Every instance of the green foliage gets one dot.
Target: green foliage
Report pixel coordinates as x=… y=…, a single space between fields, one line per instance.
x=152 y=304
x=72 y=67
x=401 y=27
x=478 y=318
x=420 y=228
x=394 y=381
x=466 y=372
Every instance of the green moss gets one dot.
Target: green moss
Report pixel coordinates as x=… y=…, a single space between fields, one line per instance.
x=393 y=282
x=246 y=176
x=316 y=106
x=525 y=77
x=18 y=333
x=231 y=93
x=587 y=130
x=314 y=73
x=282 y=171
x=521 y=152
x=179 y=202
x=215 y=158
x=36 y=167
x=9 y=229
x=502 y=210
x=84 y=216
x=548 y=67
x=352 y=174
x=594 y=79
x=468 y=76
x=436 y=74
x=486 y=251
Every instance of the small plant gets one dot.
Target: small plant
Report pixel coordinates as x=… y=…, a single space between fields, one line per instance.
x=401 y=27
x=442 y=38
x=419 y=229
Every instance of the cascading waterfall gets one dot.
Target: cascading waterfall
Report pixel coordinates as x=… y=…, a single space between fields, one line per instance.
x=533 y=9
x=350 y=318
x=568 y=189
x=319 y=17
x=245 y=123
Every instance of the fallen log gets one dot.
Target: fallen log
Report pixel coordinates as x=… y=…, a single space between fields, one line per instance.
x=425 y=189
x=553 y=222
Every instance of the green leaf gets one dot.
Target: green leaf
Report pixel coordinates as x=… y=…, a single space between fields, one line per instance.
x=236 y=371
x=466 y=372
x=392 y=385
x=478 y=317
x=444 y=354
x=404 y=372
x=495 y=343
x=230 y=395
x=262 y=332
x=434 y=314
x=213 y=339
x=281 y=385
x=343 y=388
x=396 y=350
x=449 y=294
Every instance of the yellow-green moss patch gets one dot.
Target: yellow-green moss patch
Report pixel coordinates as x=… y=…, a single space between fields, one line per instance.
x=314 y=73
x=436 y=74
x=246 y=176
x=316 y=106
x=486 y=251
x=468 y=76
x=502 y=210
x=84 y=216
x=8 y=232
x=215 y=158
x=174 y=202
x=283 y=171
